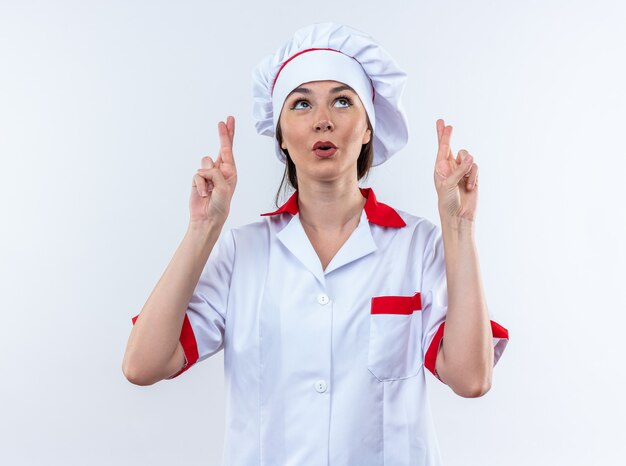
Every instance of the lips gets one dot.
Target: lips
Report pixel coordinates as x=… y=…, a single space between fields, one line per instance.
x=324 y=145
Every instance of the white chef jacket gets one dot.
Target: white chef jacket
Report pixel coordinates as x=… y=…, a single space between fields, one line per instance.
x=325 y=367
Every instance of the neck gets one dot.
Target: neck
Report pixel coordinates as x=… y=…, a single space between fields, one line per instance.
x=330 y=207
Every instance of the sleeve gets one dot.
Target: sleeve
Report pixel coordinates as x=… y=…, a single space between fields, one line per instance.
x=435 y=305
x=202 y=333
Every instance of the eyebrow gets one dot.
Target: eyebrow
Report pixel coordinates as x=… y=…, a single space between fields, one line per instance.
x=334 y=90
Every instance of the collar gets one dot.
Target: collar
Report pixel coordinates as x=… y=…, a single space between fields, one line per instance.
x=376 y=212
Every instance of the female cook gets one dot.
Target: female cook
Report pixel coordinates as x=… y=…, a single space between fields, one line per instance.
x=330 y=308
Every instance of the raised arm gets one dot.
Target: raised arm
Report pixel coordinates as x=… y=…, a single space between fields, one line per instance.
x=153 y=351
x=465 y=361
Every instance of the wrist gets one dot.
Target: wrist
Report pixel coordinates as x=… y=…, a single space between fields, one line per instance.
x=457 y=224
x=204 y=230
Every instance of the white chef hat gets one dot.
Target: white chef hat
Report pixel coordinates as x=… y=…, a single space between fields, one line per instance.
x=331 y=51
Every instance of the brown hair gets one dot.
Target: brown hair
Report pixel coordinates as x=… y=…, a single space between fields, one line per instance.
x=363 y=164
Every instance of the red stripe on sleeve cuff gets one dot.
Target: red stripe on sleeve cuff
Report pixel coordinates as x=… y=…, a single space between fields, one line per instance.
x=188 y=341
x=430 y=359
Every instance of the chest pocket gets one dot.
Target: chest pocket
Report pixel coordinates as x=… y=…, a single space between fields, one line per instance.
x=395 y=340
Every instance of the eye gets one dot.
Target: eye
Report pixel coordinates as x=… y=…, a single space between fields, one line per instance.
x=299 y=101
x=346 y=100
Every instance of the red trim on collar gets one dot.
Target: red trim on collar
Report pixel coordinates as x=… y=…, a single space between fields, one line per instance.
x=376 y=212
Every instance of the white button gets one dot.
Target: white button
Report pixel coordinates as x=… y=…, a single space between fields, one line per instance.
x=321 y=386
x=323 y=299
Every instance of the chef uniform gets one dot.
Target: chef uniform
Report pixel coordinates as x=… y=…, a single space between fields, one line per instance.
x=327 y=366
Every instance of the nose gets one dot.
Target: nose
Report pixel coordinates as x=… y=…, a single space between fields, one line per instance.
x=322 y=117
x=323 y=125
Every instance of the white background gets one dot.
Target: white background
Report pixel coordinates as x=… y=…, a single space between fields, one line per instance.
x=105 y=111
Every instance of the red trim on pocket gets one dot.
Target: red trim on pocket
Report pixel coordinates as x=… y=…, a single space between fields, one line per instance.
x=430 y=359
x=396 y=304
x=188 y=341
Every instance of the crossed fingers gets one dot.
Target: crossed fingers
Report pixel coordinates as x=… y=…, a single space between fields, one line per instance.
x=227 y=135
x=444 y=155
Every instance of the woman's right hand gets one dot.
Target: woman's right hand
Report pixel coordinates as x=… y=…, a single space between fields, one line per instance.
x=214 y=184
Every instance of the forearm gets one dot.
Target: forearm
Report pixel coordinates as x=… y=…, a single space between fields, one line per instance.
x=155 y=335
x=466 y=360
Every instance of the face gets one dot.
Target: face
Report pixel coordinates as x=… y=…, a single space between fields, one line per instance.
x=327 y=111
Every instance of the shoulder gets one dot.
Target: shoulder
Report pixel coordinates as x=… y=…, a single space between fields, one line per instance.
x=424 y=237
x=418 y=226
x=263 y=226
x=258 y=233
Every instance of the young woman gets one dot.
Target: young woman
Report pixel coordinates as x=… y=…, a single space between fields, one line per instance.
x=330 y=308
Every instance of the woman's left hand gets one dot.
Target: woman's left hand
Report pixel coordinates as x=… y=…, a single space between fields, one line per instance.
x=456 y=180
